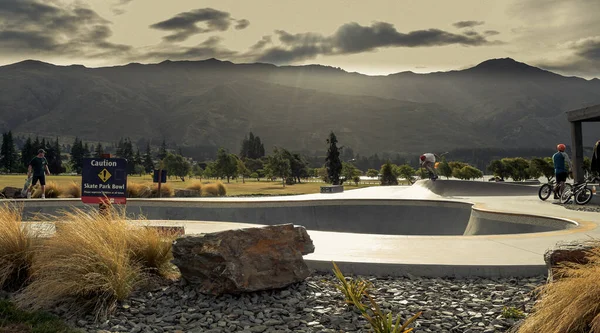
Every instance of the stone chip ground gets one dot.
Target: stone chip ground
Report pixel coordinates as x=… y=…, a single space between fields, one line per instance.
x=448 y=305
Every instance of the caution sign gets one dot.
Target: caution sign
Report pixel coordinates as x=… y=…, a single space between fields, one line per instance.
x=104 y=179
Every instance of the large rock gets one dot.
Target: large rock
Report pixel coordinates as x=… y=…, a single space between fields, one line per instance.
x=12 y=192
x=574 y=251
x=244 y=260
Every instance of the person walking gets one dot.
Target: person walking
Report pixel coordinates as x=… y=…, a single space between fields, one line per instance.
x=428 y=162
x=38 y=168
x=562 y=165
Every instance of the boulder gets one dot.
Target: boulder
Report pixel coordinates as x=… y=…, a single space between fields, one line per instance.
x=574 y=251
x=181 y=193
x=244 y=260
x=12 y=192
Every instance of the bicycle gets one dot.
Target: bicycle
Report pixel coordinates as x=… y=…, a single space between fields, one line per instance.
x=580 y=192
x=548 y=188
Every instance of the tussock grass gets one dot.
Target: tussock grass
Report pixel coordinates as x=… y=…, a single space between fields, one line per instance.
x=214 y=190
x=571 y=303
x=87 y=264
x=52 y=190
x=17 y=248
x=196 y=185
x=166 y=190
x=221 y=188
x=152 y=250
x=134 y=190
x=72 y=190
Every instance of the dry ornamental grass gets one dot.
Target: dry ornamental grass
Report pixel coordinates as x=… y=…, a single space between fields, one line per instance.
x=93 y=261
x=570 y=304
x=17 y=247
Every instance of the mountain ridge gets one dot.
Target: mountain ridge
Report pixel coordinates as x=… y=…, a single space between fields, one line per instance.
x=497 y=103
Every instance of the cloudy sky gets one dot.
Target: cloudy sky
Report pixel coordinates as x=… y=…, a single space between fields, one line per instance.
x=371 y=37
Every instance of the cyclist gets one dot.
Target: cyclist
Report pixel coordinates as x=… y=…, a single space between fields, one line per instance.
x=562 y=165
x=428 y=162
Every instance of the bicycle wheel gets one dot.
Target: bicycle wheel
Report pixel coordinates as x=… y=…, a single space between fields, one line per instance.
x=565 y=197
x=584 y=196
x=545 y=191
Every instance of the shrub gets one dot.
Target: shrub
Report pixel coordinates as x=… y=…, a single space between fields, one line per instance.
x=72 y=190
x=387 y=175
x=86 y=264
x=568 y=304
x=17 y=248
x=52 y=190
x=195 y=185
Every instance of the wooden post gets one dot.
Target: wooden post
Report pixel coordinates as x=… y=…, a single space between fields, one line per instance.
x=103 y=207
x=577 y=153
x=159 y=180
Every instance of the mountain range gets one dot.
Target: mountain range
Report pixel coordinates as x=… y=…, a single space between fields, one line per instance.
x=499 y=103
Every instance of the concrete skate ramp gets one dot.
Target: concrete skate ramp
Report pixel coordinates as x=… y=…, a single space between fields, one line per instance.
x=451 y=188
x=391 y=217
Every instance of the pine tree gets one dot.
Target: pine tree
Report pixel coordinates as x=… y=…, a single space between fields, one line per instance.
x=9 y=157
x=148 y=163
x=4 y=151
x=77 y=154
x=56 y=164
x=162 y=152
x=86 y=151
x=137 y=157
x=99 y=150
x=27 y=153
x=333 y=162
x=120 y=148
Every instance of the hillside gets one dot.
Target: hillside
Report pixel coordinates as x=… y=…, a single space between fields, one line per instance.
x=498 y=103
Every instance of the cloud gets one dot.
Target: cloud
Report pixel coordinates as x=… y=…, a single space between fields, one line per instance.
x=584 y=59
x=54 y=28
x=116 y=7
x=467 y=24
x=491 y=32
x=261 y=43
x=184 y=25
x=354 y=38
x=242 y=24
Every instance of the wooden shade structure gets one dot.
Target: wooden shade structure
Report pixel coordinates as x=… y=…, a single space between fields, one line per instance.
x=576 y=117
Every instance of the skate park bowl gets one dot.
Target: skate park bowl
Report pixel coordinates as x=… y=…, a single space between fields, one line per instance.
x=430 y=229
x=363 y=216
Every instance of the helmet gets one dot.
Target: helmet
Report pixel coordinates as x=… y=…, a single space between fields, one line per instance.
x=422 y=157
x=561 y=147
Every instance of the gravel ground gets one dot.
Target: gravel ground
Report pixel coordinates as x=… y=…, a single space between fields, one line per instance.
x=585 y=208
x=448 y=305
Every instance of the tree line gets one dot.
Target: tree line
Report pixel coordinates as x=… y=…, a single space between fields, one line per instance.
x=339 y=165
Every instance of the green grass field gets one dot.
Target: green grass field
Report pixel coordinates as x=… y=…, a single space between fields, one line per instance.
x=234 y=187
